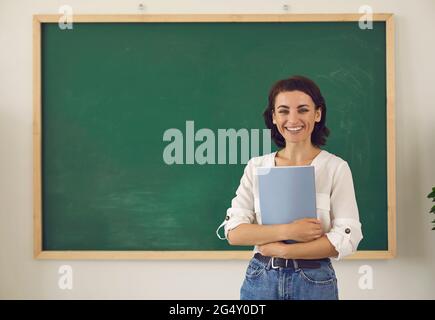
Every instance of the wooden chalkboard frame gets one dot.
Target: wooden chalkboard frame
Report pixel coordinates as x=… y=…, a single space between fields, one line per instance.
x=39 y=253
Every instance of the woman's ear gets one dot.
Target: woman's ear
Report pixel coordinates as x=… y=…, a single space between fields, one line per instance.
x=318 y=115
x=273 y=117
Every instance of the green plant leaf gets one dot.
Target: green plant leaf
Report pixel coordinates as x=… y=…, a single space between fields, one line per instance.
x=431 y=195
x=433 y=228
x=432 y=210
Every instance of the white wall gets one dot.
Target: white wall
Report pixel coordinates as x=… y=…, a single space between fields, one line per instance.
x=410 y=276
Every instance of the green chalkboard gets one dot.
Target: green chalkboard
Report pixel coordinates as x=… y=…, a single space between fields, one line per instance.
x=110 y=91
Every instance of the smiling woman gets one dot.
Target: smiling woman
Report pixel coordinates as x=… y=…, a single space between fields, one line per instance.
x=297 y=100
x=296 y=115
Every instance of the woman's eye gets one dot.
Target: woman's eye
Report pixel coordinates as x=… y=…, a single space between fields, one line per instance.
x=300 y=111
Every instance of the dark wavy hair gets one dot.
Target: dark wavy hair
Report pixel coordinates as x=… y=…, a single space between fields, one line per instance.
x=297 y=83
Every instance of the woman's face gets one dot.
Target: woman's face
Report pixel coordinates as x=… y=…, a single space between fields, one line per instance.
x=295 y=116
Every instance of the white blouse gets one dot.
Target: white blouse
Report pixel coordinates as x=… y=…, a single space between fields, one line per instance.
x=335 y=199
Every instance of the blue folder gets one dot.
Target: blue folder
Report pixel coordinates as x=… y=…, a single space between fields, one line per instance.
x=286 y=193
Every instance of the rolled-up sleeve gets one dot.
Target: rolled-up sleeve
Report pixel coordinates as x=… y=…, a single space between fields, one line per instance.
x=242 y=205
x=345 y=234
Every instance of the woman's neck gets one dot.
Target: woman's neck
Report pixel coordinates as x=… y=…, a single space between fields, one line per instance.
x=298 y=154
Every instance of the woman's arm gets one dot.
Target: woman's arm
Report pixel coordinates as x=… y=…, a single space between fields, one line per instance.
x=302 y=230
x=248 y=234
x=316 y=249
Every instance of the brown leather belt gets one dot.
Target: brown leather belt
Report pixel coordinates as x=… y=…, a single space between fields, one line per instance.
x=289 y=263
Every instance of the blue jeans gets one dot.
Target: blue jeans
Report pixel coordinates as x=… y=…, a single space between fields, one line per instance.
x=262 y=282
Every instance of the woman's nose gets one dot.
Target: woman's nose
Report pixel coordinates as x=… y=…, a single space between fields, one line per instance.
x=293 y=117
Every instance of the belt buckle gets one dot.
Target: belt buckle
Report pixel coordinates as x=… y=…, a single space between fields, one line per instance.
x=276 y=267
x=273 y=265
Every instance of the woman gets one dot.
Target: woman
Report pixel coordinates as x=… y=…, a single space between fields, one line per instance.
x=296 y=115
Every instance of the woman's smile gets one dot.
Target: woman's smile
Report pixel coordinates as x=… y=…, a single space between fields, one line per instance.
x=294 y=129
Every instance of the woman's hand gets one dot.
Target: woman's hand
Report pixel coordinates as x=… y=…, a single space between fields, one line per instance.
x=273 y=249
x=304 y=230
